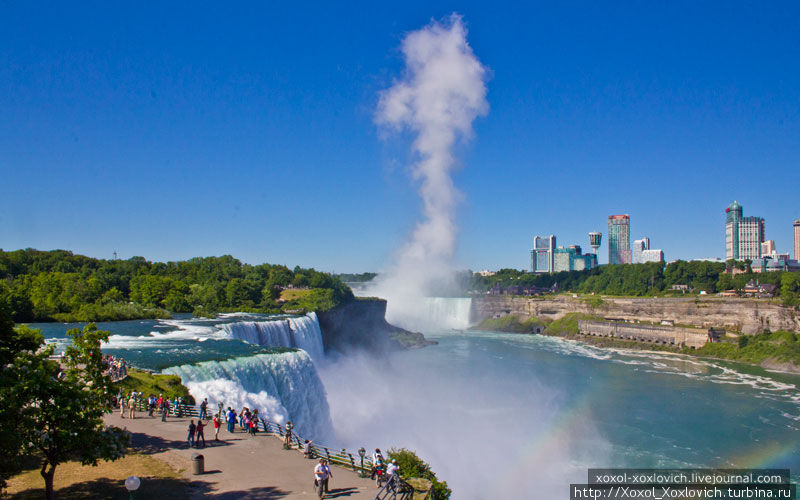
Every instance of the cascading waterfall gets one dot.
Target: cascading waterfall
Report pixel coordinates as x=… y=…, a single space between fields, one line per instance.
x=281 y=386
x=299 y=333
x=430 y=313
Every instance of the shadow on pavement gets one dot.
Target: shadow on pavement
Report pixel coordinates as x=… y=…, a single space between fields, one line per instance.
x=148 y=444
x=115 y=489
x=341 y=492
x=264 y=493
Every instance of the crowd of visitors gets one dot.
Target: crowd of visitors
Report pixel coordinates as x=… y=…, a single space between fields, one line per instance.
x=116 y=368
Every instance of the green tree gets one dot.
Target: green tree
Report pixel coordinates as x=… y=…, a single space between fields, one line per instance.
x=59 y=409
x=790 y=289
x=412 y=466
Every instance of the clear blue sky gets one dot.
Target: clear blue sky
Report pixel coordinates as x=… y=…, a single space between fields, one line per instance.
x=201 y=129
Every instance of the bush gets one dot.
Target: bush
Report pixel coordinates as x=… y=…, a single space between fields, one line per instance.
x=412 y=466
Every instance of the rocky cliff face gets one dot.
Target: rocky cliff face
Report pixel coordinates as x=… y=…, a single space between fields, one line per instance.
x=361 y=324
x=747 y=316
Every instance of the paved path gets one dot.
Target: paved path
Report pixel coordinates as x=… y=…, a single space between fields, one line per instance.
x=239 y=465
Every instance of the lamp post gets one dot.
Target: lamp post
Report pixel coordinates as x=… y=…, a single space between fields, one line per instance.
x=361 y=453
x=132 y=484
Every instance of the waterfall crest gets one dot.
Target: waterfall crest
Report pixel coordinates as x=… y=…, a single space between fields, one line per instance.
x=299 y=333
x=430 y=313
x=281 y=386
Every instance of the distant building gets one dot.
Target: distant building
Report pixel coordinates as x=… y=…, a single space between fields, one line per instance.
x=768 y=248
x=542 y=254
x=733 y=216
x=619 y=239
x=751 y=236
x=572 y=258
x=485 y=273
x=796 y=227
x=743 y=235
x=652 y=255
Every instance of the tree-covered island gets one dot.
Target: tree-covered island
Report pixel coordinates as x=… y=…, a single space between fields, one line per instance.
x=61 y=286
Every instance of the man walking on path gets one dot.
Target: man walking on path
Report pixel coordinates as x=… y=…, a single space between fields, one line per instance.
x=198 y=434
x=190 y=437
x=164 y=409
x=132 y=406
x=321 y=475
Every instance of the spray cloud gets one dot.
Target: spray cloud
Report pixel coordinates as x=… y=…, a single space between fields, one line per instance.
x=442 y=92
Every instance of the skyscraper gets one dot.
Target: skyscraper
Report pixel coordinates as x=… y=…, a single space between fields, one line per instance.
x=743 y=235
x=639 y=246
x=797 y=239
x=733 y=216
x=619 y=239
x=542 y=254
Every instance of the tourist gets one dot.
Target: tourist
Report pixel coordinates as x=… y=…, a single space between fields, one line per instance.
x=121 y=406
x=393 y=474
x=132 y=405
x=287 y=438
x=198 y=434
x=231 y=420
x=322 y=473
x=164 y=409
x=190 y=437
x=151 y=405
x=203 y=407
x=307 y=449
x=217 y=424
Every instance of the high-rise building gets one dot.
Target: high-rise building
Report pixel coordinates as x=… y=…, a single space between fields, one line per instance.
x=797 y=239
x=619 y=239
x=572 y=258
x=768 y=248
x=743 y=235
x=542 y=254
x=594 y=241
x=639 y=246
x=751 y=236
x=733 y=216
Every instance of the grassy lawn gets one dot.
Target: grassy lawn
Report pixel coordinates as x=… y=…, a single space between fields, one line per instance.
x=293 y=294
x=168 y=385
x=73 y=480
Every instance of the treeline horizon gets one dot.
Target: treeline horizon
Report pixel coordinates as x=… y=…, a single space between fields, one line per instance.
x=58 y=285
x=652 y=278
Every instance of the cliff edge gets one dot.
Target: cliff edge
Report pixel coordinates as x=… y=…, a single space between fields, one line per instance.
x=361 y=325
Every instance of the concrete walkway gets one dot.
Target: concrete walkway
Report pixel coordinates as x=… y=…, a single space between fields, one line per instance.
x=239 y=465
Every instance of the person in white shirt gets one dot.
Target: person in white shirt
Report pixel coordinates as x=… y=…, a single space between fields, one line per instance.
x=392 y=474
x=322 y=472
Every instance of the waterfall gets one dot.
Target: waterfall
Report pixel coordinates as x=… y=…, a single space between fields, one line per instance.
x=300 y=333
x=282 y=387
x=430 y=313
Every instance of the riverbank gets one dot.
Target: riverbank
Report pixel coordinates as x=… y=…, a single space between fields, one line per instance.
x=774 y=351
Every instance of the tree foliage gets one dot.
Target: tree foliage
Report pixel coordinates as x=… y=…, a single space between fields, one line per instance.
x=53 y=411
x=652 y=278
x=59 y=285
x=412 y=466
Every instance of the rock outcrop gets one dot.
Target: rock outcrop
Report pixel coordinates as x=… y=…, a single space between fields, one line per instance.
x=746 y=316
x=361 y=325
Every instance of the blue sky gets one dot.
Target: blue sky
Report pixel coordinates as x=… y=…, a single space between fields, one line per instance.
x=201 y=129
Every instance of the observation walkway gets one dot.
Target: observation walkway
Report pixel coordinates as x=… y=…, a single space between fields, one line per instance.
x=240 y=465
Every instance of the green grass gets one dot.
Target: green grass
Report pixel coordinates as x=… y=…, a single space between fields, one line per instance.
x=568 y=324
x=781 y=346
x=147 y=383
x=112 y=312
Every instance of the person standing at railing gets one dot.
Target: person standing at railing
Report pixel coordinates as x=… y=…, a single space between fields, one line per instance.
x=287 y=438
x=203 y=407
x=307 y=449
x=393 y=474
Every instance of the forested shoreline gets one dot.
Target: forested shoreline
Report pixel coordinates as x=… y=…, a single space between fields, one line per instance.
x=58 y=285
x=649 y=279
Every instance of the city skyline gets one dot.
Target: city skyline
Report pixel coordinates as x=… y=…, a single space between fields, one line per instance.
x=131 y=130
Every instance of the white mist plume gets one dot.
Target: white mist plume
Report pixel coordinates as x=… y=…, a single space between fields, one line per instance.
x=440 y=95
